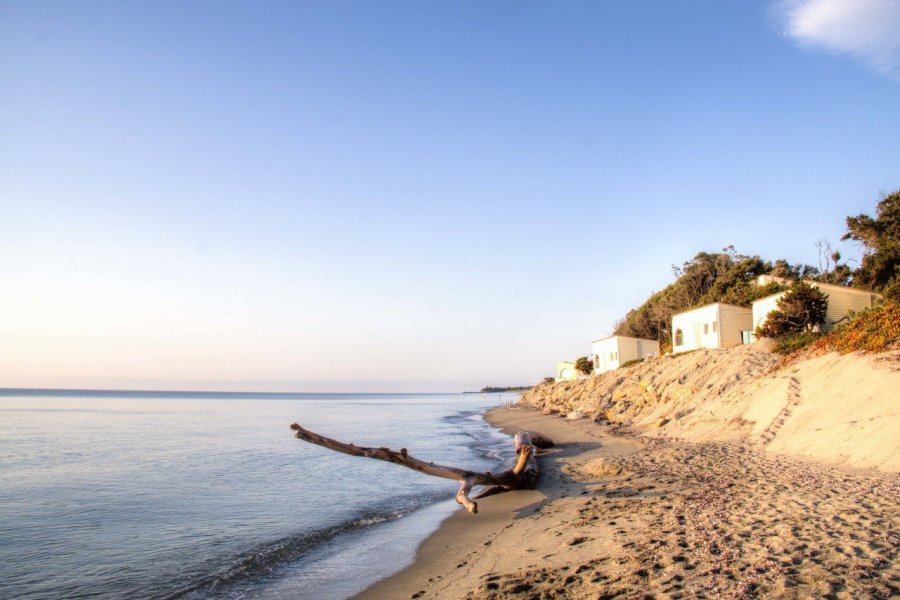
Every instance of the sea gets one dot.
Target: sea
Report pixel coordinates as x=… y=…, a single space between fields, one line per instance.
x=185 y=495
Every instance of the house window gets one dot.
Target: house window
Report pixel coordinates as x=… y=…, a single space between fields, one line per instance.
x=715 y=326
x=596 y=362
x=679 y=337
x=705 y=328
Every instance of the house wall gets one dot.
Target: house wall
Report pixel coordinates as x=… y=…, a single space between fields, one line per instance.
x=566 y=371
x=691 y=324
x=642 y=348
x=762 y=308
x=611 y=352
x=732 y=321
x=606 y=353
x=713 y=326
x=628 y=350
x=841 y=301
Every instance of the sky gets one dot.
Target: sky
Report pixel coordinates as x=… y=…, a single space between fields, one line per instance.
x=408 y=196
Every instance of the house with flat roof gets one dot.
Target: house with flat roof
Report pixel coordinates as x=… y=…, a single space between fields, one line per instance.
x=717 y=325
x=565 y=371
x=611 y=352
x=842 y=300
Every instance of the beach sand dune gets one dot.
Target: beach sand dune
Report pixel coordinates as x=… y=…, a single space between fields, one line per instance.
x=839 y=409
x=617 y=516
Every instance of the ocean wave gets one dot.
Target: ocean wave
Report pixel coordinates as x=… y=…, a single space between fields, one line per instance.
x=486 y=442
x=265 y=559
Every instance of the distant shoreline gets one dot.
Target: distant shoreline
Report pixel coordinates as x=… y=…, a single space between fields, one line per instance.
x=494 y=390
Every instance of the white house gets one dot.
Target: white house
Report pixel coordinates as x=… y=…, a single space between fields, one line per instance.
x=612 y=351
x=841 y=300
x=565 y=371
x=716 y=325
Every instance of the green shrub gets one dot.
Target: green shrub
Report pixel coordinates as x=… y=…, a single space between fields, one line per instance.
x=793 y=342
x=585 y=365
x=800 y=309
x=725 y=276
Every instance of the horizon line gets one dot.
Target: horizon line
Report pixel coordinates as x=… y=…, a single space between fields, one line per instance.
x=231 y=392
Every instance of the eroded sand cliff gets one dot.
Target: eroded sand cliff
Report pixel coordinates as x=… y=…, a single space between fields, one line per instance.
x=842 y=409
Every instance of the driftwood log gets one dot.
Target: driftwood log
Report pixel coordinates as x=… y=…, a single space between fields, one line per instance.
x=523 y=475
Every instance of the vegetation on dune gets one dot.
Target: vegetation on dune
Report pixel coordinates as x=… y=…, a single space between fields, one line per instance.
x=710 y=277
x=794 y=342
x=730 y=277
x=800 y=309
x=873 y=330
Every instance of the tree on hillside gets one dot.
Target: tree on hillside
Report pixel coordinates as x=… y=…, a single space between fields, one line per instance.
x=785 y=270
x=800 y=309
x=726 y=276
x=880 y=238
x=831 y=270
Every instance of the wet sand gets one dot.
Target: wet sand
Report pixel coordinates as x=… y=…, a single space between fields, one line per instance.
x=617 y=516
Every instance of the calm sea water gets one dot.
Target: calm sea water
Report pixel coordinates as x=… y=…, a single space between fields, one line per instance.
x=184 y=495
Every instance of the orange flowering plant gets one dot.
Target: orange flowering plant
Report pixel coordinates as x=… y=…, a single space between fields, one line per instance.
x=873 y=330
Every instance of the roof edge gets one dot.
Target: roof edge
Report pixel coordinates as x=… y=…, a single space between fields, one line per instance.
x=708 y=305
x=627 y=337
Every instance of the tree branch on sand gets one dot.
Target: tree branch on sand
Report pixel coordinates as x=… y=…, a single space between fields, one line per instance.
x=522 y=476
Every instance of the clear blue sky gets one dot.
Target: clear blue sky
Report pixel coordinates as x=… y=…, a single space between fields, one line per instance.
x=408 y=195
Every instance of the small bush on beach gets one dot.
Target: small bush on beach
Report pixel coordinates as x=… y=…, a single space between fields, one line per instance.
x=873 y=330
x=585 y=365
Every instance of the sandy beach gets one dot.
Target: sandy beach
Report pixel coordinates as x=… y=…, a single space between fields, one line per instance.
x=621 y=516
